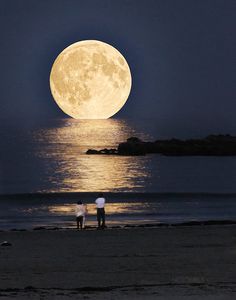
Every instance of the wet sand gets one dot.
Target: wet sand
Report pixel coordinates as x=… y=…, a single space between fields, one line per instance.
x=186 y=262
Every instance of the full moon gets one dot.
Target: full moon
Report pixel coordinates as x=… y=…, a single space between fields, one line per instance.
x=90 y=80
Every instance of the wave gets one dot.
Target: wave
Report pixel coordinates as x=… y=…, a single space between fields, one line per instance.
x=72 y=196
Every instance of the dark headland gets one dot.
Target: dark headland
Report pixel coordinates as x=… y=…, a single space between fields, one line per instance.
x=212 y=145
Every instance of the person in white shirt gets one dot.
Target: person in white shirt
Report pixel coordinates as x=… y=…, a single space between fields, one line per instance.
x=80 y=212
x=100 y=202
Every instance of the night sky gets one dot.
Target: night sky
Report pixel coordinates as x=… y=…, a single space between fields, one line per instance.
x=181 y=54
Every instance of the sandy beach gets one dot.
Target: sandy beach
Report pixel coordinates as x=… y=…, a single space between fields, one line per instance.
x=140 y=263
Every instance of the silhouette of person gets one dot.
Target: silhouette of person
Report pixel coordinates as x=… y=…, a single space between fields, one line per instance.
x=100 y=202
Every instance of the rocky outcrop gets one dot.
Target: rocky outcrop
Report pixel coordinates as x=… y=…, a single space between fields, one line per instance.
x=133 y=146
x=103 y=151
x=218 y=145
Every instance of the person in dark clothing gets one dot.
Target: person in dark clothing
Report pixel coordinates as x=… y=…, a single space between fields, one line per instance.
x=100 y=202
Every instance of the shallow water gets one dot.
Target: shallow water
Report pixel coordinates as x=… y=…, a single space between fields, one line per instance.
x=29 y=211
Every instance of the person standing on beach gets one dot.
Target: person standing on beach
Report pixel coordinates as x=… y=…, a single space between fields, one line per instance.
x=80 y=212
x=100 y=202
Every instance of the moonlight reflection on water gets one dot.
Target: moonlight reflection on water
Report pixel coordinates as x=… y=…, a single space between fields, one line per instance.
x=51 y=158
x=70 y=169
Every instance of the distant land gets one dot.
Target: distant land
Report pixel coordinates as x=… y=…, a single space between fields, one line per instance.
x=212 y=145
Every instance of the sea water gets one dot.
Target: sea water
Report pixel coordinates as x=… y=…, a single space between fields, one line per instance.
x=30 y=211
x=51 y=158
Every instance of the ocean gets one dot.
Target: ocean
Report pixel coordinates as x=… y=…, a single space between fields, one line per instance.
x=51 y=160
x=55 y=210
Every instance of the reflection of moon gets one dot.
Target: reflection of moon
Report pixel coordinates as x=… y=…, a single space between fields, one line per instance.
x=90 y=80
x=65 y=145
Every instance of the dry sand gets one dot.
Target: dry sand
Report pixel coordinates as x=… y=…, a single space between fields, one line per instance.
x=197 y=262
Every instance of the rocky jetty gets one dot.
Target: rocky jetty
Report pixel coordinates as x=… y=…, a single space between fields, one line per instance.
x=212 y=145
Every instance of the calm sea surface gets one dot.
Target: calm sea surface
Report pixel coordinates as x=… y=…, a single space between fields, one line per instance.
x=51 y=158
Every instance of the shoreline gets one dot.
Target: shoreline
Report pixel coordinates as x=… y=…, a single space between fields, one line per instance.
x=30 y=211
x=128 y=226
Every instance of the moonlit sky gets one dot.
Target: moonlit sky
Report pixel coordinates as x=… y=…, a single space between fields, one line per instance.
x=181 y=54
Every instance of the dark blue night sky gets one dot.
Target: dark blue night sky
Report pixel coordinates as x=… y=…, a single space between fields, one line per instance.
x=181 y=54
